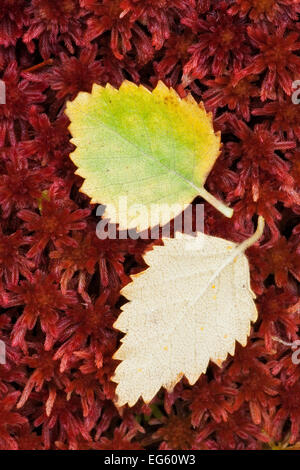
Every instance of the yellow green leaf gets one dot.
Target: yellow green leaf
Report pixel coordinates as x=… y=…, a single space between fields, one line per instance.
x=189 y=307
x=152 y=147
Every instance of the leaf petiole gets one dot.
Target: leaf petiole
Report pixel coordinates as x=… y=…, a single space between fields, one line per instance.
x=219 y=205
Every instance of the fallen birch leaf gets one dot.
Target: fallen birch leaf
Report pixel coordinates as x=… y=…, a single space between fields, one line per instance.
x=151 y=147
x=187 y=308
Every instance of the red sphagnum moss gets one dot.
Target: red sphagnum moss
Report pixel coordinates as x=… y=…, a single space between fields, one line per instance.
x=60 y=285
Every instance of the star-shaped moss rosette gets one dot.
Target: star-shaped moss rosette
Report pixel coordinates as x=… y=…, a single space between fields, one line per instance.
x=152 y=147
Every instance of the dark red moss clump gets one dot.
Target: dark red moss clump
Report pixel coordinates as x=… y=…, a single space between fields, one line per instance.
x=60 y=285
